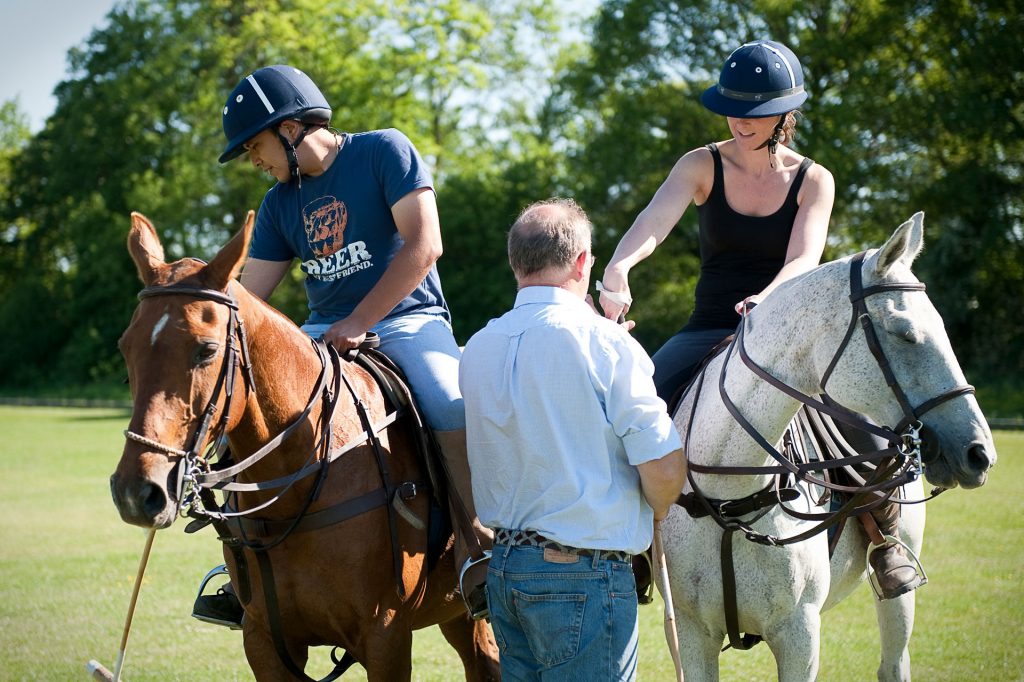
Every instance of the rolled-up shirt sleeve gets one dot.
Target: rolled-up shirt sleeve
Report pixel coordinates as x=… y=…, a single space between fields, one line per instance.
x=637 y=415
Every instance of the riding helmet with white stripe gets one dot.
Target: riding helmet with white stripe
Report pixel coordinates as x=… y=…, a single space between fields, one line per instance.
x=266 y=97
x=759 y=79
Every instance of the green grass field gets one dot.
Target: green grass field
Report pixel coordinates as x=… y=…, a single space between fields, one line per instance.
x=67 y=564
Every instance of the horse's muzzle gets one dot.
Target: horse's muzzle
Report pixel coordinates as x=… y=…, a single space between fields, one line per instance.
x=142 y=502
x=951 y=465
x=975 y=464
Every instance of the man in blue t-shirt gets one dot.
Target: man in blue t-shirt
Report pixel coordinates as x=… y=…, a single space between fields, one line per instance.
x=359 y=212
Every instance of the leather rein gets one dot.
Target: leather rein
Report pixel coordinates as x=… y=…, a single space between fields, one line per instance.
x=897 y=465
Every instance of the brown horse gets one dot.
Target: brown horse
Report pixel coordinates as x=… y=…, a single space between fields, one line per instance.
x=202 y=351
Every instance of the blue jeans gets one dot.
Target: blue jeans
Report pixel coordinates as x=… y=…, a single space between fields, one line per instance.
x=423 y=346
x=562 y=621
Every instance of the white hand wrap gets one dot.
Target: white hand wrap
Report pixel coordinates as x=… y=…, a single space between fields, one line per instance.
x=618 y=297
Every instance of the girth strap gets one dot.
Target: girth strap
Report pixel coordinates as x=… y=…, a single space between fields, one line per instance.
x=767 y=497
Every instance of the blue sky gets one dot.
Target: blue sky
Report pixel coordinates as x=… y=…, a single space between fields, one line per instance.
x=35 y=37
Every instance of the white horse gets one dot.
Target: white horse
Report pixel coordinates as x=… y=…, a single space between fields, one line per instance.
x=795 y=334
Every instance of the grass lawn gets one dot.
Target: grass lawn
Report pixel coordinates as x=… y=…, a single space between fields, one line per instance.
x=67 y=564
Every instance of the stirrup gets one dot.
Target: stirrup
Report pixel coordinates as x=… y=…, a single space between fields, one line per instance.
x=888 y=540
x=474 y=610
x=214 y=572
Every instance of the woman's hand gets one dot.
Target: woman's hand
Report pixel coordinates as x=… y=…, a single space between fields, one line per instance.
x=624 y=323
x=749 y=302
x=615 y=297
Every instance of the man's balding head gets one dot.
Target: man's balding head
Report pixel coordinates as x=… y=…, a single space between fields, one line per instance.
x=548 y=237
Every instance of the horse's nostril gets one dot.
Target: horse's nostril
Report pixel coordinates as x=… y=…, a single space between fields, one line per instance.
x=153 y=499
x=978 y=459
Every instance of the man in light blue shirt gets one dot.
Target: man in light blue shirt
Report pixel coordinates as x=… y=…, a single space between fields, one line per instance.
x=572 y=456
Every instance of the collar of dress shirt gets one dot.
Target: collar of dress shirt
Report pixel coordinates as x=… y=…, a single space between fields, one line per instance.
x=547 y=294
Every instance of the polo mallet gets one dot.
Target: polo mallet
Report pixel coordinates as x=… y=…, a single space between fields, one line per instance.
x=661 y=571
x=96 y=669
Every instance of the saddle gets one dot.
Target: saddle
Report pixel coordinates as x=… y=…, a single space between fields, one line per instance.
x=398 y=396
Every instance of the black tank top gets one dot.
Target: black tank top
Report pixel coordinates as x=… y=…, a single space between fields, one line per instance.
x=739 y=254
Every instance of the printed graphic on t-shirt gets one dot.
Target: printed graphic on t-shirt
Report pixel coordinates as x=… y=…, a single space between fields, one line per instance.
x=325 y=220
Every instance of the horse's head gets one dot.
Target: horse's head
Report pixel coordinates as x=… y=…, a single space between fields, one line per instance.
x=956 y=445
x=174 y=349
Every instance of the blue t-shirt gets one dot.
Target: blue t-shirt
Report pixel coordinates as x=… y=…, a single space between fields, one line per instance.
x=339 y=224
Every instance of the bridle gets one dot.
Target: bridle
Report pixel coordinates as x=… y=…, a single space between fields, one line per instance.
x=903 y=456
x=195 y=478
x=193 y=462
x=895 y=466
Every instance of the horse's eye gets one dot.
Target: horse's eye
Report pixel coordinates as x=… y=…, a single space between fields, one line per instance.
x=907 y=335
x=206 y=351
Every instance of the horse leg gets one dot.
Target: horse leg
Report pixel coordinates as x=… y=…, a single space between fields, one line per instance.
x=795 y=642
x=896 y=616
x=388 y=652
x=895 y=624
x=266 y=665
x=476 y=647
x=698 y=649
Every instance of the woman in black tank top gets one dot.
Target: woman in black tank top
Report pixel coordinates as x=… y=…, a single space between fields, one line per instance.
x=762 y=221
x=763 y=216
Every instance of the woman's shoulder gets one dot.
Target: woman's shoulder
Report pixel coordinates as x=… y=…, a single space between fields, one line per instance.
x=818 y=174
x=696 y=162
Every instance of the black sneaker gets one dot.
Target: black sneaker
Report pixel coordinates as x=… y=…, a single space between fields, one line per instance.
x=222 y=608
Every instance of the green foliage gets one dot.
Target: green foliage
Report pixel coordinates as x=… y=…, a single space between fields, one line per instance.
x=915 y=105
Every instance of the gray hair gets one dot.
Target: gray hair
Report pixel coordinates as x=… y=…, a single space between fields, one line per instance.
x=548 y=234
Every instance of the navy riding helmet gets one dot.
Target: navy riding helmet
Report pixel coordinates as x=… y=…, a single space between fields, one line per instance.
x=266 y=97
x=759 y=79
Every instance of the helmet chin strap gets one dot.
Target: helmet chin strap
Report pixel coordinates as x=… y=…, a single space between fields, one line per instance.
x=290 y=151
x=773 y=142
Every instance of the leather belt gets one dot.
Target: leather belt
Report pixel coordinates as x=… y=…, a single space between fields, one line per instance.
x=531 y=538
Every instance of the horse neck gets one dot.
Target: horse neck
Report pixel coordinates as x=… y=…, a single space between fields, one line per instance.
x=285 y=370
x=784 y=336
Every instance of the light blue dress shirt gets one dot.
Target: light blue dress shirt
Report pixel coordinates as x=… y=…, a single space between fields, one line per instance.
x=560 y=409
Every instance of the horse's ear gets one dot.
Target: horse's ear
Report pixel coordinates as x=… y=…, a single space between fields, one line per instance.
x=903 y=246
x=228 y=262
x=145 y=248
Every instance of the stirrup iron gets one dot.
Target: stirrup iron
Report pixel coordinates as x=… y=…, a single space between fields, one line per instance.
x=887 y=541
x=214 y=572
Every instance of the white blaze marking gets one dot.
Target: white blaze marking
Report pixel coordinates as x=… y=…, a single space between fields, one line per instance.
x=161 y=323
